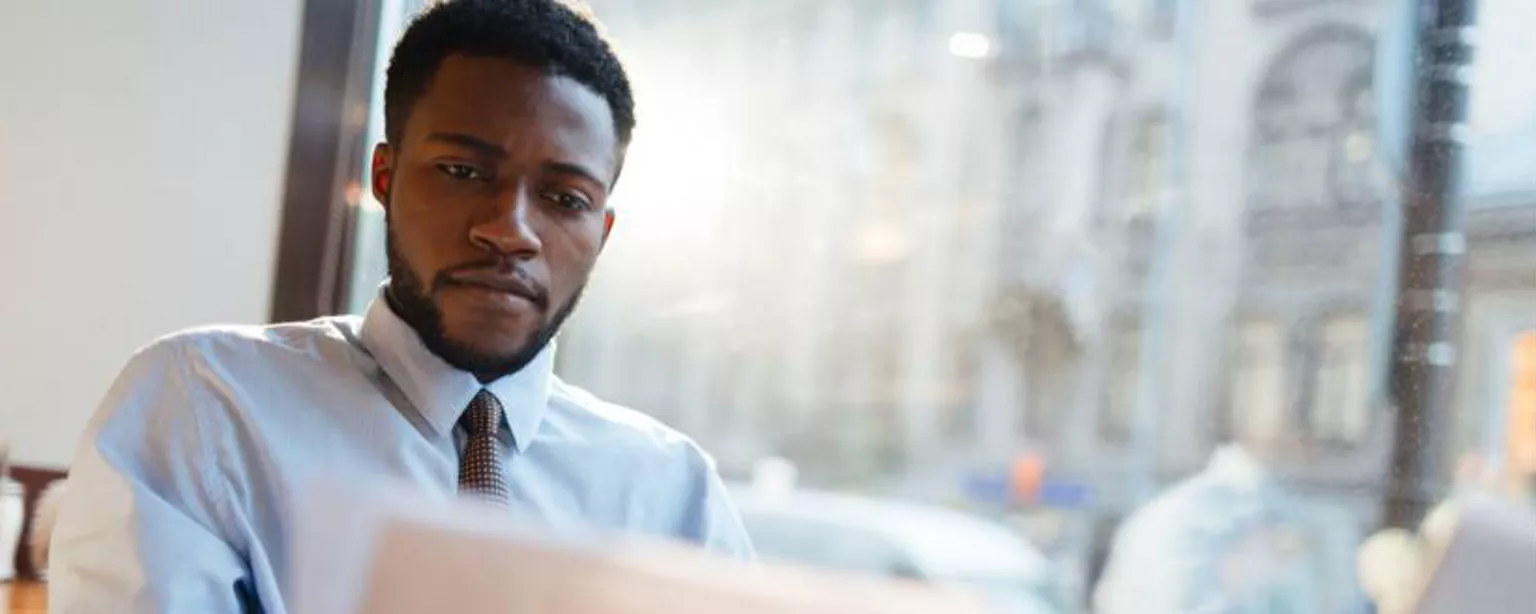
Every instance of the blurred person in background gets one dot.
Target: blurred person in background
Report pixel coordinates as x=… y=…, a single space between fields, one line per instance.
x=1228 y=540
x=507 y=122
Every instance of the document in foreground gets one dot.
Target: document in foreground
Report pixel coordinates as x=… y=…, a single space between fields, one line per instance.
x=384 y=552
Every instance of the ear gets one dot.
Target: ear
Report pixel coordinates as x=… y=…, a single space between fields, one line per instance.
x=609 y=217
x=383 y=167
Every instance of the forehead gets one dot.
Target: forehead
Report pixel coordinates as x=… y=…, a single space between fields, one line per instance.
x=516 y=105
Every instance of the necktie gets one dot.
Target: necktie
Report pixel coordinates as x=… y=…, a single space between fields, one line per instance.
x=481 y=474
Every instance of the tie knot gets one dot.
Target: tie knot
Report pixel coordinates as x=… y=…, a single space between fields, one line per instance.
x=484 y=414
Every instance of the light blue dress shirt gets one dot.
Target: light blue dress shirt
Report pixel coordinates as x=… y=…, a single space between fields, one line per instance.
x=179 y=497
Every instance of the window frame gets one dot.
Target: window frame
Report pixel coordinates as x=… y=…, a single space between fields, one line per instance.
x=326 y=146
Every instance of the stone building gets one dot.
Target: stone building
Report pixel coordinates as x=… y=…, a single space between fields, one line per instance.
x=904 y=241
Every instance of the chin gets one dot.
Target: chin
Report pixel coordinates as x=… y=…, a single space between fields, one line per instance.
x=486 y=356
x=485 y=328
x=489 y=344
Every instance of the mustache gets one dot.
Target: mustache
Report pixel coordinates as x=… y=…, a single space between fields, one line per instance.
x=502 y=275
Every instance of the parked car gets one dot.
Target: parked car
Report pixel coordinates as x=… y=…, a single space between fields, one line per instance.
x=901 y=540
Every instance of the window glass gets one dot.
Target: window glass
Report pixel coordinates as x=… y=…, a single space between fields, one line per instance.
x=1259 y=391
x=1079 y=267
x=1338 y=410
x=808 y=542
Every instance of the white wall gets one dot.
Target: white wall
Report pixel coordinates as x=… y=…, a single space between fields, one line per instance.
x=142 y=158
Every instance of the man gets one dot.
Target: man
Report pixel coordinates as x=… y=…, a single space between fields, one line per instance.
x=506 y=128
x=1228 y=540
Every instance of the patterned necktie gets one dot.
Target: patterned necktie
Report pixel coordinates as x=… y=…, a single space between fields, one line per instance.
x=480 y=469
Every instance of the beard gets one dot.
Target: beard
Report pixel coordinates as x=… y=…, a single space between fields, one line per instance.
x=411 y=299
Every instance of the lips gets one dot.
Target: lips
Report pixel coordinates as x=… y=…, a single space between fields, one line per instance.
x=497 y=282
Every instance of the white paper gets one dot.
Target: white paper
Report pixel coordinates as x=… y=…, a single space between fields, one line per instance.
x=389 y=551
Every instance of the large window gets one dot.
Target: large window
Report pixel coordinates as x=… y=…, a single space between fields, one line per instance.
x=999 y=257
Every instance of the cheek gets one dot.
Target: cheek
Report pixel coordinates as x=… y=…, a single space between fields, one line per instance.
x=571 y=251
x=429 y=238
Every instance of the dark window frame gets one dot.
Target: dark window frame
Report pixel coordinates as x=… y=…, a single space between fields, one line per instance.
x=334 y=85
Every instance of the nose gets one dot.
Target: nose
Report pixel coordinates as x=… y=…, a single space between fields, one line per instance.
x=509 y=226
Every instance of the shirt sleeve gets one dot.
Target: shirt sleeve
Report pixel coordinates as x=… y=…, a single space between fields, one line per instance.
x=138 y=529
x=712 y=520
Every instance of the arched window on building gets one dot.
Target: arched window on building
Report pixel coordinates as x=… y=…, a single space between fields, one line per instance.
x=1313 y=140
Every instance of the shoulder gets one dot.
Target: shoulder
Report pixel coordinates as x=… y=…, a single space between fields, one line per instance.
x=579 y=413
x=182 y=377
x=227 y=353
x=236 y=341
x=683 y=496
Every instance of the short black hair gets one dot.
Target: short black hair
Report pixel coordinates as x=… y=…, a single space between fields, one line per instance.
x=553 y=36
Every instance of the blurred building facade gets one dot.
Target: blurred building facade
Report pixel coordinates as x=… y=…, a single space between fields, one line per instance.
x=903 y=242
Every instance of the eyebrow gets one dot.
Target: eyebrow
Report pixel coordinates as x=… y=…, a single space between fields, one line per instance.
x=566 y=168
x=470 y=141
x=492 y=150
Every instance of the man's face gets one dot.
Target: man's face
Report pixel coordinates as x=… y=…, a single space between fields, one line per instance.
x=496 y=200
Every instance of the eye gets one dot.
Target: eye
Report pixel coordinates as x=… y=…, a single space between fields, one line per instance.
x=461 y=172
x=569 y=201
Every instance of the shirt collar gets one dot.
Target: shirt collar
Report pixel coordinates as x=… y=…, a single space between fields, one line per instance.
x=442 y=392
